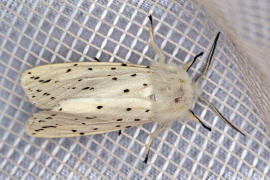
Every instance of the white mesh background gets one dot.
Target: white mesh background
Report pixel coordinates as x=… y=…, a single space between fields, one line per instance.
x=40 y=32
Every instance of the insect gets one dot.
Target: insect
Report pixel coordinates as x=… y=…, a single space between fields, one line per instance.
x=97 y=97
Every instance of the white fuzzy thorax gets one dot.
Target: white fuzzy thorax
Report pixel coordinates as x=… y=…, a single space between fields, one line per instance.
x=174 y=92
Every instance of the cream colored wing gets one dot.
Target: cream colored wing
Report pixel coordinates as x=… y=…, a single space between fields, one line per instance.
x=88 y=98
x=51 y=124
x=47 y=85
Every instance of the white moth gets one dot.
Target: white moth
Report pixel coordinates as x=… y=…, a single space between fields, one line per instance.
x=96 y=97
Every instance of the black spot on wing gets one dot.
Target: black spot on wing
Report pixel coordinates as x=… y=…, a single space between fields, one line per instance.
x=68 y=70
x=46 y=94
x=99 y=107
x=91 y=117
x=128 y=109
x=43 y=81
x=85 y=88
x=49 y=127
x=133 y=75
x=126 y=90
x=114 y=78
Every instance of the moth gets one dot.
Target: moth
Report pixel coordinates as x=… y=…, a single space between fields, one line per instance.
x=86 y=98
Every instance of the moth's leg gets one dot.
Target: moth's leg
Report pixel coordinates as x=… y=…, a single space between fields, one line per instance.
x=119 y=132
x=152 y=136
x=209 y=58
x=195 y=117
x=153 y=44
x=220 y=115
x=96 y=59
x=192 y=62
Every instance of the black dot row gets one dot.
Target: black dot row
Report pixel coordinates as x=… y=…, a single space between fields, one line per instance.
x=44 y=94
x=90 y=69
x=127 y=109
x=95 y=129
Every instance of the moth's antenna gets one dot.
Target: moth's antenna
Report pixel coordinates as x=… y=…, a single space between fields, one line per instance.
x=192 y=62
x=204 y=125
x=209 y=58
x=152 y=42
x=220 y=115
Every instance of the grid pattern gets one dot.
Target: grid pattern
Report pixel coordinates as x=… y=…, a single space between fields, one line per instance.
x=40 y=32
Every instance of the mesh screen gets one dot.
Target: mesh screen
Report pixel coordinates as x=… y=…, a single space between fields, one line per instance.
x=40 y=32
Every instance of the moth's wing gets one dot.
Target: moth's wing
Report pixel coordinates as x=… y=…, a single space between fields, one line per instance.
x=47 y=85
x=52 y=124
